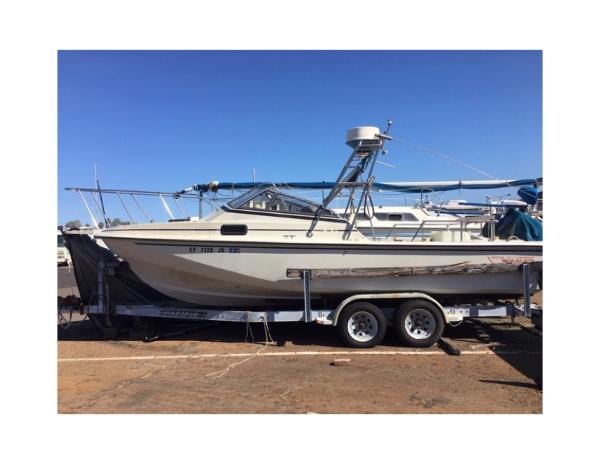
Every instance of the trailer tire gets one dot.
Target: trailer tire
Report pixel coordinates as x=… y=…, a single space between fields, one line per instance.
x=362 y=325
x=418 y=323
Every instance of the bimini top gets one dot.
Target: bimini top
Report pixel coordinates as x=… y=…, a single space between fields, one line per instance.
x=271 y=202
x=404 y=187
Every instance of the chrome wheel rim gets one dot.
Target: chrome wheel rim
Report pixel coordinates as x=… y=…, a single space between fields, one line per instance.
x=420 y=324
x=362 y=326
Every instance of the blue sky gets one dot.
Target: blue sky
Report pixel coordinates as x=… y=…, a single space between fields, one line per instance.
x=166 y=120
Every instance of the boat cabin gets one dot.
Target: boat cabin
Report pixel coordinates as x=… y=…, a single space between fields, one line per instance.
x=271 y=202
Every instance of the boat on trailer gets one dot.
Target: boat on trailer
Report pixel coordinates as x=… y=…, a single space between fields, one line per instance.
x=251 y=251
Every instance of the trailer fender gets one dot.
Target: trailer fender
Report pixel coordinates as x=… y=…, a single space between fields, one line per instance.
x=387 y=296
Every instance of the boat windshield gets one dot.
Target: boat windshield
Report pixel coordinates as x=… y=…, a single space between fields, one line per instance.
x=237 y=202
x=61 y=241
x=276 y=202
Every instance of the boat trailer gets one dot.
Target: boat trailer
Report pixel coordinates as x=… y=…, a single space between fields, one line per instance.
x=362 y=319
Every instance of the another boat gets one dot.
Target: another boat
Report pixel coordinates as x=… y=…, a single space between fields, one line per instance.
x=253 y=251
x=63 y=256
x=410 y=222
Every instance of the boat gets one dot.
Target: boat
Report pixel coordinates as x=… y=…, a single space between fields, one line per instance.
x=63 y=256
x=410 y=222
x=255 y=249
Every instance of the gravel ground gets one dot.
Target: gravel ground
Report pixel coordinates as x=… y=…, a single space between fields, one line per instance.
x=500 y=371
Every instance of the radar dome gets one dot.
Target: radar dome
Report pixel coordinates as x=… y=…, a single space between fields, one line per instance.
x=363 y=133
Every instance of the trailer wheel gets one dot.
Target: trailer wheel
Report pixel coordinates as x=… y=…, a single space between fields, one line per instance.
x=362 y=325
x=418 y=323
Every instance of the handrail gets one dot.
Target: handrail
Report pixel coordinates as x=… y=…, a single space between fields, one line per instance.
x=129 y=192
x=162 y=196
x=462 y=222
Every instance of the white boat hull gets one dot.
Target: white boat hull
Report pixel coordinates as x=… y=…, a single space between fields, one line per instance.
x=231 y=273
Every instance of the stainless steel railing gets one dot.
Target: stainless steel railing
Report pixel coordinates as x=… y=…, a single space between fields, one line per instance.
x=462 y=222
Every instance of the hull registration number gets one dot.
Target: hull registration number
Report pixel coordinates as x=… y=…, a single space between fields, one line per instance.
x=214 y=250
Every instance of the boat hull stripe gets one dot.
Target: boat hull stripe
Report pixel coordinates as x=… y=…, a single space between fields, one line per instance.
x=326 y=246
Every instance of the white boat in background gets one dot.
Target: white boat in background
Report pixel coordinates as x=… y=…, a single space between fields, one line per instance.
x=253 y=250
x=466 y=208
x=63 y=256
x=410 y=222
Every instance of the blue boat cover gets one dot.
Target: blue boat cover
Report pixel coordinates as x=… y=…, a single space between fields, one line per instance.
x=517 y=224
x=407 y=187
x=528 y=194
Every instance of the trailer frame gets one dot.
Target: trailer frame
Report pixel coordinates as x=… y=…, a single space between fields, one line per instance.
x=452 y=315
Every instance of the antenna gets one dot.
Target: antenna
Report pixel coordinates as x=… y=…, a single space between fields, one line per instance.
x=253 y=175
x=106 y=221
x=101 y=205
x=94 y=183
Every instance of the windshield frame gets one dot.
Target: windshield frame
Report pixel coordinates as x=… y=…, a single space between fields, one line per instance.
x=236 y=205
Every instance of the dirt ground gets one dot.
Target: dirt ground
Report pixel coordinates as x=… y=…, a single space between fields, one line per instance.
x=499 y=370
x=295 y=375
